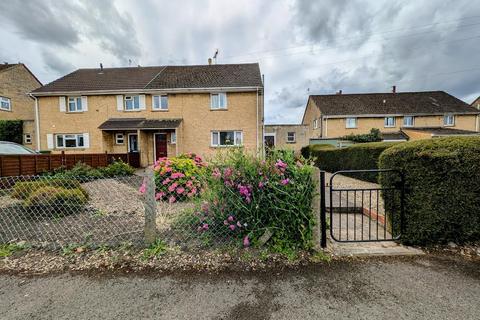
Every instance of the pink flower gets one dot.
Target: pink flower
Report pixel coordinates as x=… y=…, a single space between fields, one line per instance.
x=216 y=173
x=228 y=172
x=166 y=181
x=189 y=184
x=205 y=226
x=225 y=222
x=261 y=184
x=180 y=190
x=230 y=218
x=280 y=165
x=246 y=242
x=239 y=224
x=143 y=187
x=232 y=227
x=177 y=175
x=171 y=199
x=285 y=181
x=159 y=195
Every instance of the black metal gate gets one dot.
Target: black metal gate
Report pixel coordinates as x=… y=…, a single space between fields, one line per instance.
x=362 y=213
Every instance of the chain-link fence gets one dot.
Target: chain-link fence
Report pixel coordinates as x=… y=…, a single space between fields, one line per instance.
x=53 y=212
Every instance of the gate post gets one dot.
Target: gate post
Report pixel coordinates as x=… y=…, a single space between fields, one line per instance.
x=316 y=207
x=150 y=229
x=323 y=211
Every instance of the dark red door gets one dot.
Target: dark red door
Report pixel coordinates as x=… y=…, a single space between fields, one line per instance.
x=160 y=145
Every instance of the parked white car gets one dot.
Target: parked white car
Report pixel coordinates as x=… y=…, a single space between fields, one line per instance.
x=11 y=148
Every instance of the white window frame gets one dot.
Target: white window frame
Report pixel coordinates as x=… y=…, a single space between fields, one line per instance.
x=448 y=123
x=131 y=98
x=76 y=100
x=294 y=137
x=7 y=102
x=70 y=136
x=27 y=138
x=315 y=123
x=119 y=138
x=408 y=125
x=160 y=106
x=218 y=106
x=348 y=125
x=387 y=123
x=236 y=134
x=173 y=137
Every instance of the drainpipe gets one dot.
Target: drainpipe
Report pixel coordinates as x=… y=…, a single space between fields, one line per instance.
x=37 y=123
x=256 y=129
x=263 y=116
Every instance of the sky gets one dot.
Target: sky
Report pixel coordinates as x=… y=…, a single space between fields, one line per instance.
x=303 y=47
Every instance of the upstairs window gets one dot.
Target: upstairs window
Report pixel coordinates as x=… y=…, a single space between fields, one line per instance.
x=315 y=123
x=160 y=102
x=75 y=104
x=132 y=103
x=227 y=138
x=291 y=137
x=218 y=101
x=389 y=122
x=5 y=104
x=350 y=123
x=449 y=120
x=408 y=121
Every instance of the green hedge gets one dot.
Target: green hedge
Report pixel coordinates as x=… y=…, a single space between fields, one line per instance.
x=308 y=151
x=357 y=157
x=442 y=188
x=11 y=130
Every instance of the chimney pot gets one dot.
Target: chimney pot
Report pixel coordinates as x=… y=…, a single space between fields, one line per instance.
x=209 y=61
x=339 y=92
x=101 y=66
x=394 y=89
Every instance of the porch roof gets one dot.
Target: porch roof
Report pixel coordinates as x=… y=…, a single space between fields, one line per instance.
x=139 y=123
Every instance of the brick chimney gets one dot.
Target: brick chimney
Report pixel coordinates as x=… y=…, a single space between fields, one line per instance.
x=394 y=89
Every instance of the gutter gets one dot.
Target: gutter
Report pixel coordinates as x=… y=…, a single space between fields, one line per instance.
x=37 y=123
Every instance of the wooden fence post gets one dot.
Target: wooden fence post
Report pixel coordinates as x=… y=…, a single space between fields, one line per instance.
x=150 y=230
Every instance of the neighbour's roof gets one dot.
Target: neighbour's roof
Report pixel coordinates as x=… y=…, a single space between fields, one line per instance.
x=442 y=131
x=139 y=123
x=6 y=66
x=407 y=103
x=399 y=135
x=161 y=77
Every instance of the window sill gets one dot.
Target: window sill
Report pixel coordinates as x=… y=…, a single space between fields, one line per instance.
x=160 y=110
x=220 y=109
x=69 y=112
x=351 y=127
x=124 y=110
x=291 y=142
x=449 y=125
x=221 y=147
x=6 y=110
x=390 y=126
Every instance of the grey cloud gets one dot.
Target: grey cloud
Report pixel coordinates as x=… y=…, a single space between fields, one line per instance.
x=56 y=64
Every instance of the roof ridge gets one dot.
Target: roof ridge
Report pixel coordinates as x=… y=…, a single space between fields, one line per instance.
x=375 y=93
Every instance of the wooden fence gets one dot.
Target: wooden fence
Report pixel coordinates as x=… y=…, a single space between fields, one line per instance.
x=33 y=164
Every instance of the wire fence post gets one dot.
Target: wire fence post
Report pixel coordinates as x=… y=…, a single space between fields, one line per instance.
x=150 y=230
x=316 y=207
x=323 y=211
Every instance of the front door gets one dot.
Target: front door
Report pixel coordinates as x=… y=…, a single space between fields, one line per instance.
x=160 y=145
x=133 y=142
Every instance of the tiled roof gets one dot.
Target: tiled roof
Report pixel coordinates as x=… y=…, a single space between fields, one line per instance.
x=139 y=123
x=443 y=131
x=409 y=103
x=399 y=135
x=5 y=66
x=162 y=77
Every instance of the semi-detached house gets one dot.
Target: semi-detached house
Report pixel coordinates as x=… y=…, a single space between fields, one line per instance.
x=153 y=111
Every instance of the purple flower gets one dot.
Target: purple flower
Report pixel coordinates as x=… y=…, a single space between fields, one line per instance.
x=285 y=181
x=216 y=173
x=280 y=165
x=205 y=226
x=230 y=218
x=232 y=227
x=261 y=184
x=246 y=242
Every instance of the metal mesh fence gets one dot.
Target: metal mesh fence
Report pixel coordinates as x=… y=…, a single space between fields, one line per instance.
x=53 y=212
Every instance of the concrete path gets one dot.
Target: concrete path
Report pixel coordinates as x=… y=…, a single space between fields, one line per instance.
x=414 y=288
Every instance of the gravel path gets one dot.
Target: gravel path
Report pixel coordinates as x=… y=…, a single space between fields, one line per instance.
x=419 y=288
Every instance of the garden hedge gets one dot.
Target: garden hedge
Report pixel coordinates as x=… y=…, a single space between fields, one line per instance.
x=357 y=157
x=442 y=188
x=11 y=130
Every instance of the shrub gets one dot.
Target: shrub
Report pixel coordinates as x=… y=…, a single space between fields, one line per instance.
x=117 y=169
x=308 y=151
x=246 y=198
x=178 y=178
x=442 y=188
x=55 y=201
x=80 y=170
x=357 y=157
x=11 y=130
x=22 y=190
x=373 y=136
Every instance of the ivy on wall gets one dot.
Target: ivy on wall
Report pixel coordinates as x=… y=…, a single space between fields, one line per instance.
x=11 y=130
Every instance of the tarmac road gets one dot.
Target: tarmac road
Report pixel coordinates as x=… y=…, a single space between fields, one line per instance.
x=427 y=287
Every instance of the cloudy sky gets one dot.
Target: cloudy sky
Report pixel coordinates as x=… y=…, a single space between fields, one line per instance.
x=303 y=47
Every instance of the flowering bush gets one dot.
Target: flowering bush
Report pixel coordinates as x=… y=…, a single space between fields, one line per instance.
x=247 y=197
x=178 y=178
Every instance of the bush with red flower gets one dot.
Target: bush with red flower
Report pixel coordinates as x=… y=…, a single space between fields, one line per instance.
x=178 y=178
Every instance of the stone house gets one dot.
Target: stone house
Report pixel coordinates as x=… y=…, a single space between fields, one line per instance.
x=398 y=115
x=16 y=81
x=286 y=136
x=153 y=111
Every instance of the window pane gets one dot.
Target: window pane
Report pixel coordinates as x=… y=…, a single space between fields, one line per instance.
x=226 y=138
x=238 y=138
x=164 y=102
x=214 y=101
x=70 y=143
x=128 y=103
x=59 y=141
x=351 y=122
x=80 y=141
x=79 y=104
x=222 y=100
x=215 y=138
x=173 y=137
x=136 y=102
x=156 y=102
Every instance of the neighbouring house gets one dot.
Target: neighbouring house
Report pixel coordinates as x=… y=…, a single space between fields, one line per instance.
x=153 y=111
x=476 y=103
x=16 y=81
x=286 y=136
x=399 y=116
